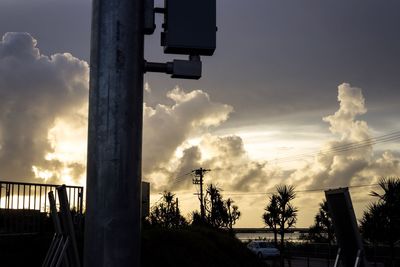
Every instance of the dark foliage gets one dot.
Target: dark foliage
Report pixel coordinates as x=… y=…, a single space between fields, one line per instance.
x=322 y=231
x=271 y=216
x=23 y=249
x=166 y=213
x=381 y=222
x=280 y=214
x=194 y=247
x=220 y=213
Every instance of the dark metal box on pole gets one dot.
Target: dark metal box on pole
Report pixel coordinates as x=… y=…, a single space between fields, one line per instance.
x=189 y=27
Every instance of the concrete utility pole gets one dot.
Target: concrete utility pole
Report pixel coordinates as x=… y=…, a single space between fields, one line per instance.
x=112 y=232
x=199 y=175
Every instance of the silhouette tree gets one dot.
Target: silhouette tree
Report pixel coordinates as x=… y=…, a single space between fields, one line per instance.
x=233 y=212
x=219 y=213
x=271 y=216
x=216 y=213
x=166 y=213
x=285 y=215
x=381 y=222
x=374 y=224
x=322 y=231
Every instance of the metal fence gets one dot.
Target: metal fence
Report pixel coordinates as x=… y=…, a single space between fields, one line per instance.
x=25 y=208
x=31 y=196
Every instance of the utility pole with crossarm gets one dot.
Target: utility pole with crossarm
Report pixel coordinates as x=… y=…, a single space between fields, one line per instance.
x=199 y=180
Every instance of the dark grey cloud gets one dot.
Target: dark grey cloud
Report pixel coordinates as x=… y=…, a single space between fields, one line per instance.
x=276 y=61
x=279 y=59
x=59 y=25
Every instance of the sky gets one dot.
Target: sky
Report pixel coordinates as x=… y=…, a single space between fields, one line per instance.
x=289 y=82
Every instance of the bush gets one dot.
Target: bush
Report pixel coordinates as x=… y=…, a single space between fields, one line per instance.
x=195 y=247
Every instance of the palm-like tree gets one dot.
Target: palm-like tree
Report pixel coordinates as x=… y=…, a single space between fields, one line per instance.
x=166 y=213
x=381 y=222
x=233 y=212
x=391 y=191
x=322 y=230
x=287 y=212
x=390 y=201
x=220 y=213
x=271 y=216
x=374 y=225
x=280 y=214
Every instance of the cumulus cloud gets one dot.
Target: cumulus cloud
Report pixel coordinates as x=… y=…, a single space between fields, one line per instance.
x=233 y=167
x=331 y=168
x=36 y=91
x=166 y=127
x=234 y=170
x=43 y=122
x=177 y=140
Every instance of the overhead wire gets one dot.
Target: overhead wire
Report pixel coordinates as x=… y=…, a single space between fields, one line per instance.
x=336 y=149
x=180 y=178
x=393 y=136
x=296 y=191
x=299 y=191
x=344 y=147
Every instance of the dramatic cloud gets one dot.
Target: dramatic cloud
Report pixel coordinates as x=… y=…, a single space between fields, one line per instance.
x=349 y=160
x=231 y=167
x=43 y=124
x=37 y=92
x=177 y=140
x=167 y=127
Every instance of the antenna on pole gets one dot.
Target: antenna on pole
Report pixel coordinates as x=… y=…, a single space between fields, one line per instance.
x=198 y=180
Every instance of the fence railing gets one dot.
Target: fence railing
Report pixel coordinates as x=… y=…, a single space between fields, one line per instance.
x=33 y=196
x=25 y=207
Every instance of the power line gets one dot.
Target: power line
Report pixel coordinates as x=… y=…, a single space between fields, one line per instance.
x=313 y=190
x=336 y=149
x=299 y=191
x=342 y=148
x=180 y=178
x=393 y=136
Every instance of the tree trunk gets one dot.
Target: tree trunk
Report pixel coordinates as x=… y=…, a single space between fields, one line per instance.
x=276 y=237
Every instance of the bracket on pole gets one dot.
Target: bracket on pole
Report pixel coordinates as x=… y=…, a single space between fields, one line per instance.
x=184 y=69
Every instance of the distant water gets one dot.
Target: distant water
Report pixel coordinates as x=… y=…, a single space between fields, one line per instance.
x=268 y=236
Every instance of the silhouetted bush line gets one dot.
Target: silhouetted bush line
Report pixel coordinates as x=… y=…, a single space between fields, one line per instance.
x=169 y=239
x=23 y=250
x=194 y=247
